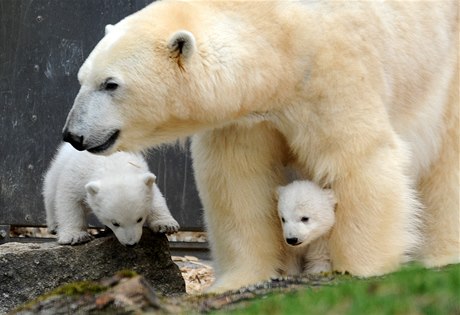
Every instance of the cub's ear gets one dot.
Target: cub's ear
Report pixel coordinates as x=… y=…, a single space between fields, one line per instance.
x=149 y=179
x=182 y=44
x=331 y=196
x=93 y=188
x=108 y=28
x=278 y=191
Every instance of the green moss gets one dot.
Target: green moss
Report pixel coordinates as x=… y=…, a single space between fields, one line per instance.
x=70 y=289
x=78 y=288
x=74 y=289
x=127 y=273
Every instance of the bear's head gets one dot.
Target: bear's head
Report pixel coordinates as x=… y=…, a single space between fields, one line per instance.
x=306 y=211
x=122 y=204
x=168 y=71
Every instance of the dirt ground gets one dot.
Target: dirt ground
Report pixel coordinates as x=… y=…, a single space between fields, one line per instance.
x=198 y=274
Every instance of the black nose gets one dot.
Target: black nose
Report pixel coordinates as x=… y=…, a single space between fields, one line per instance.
x=75 y=140
x=131 y=245
x=292 y=241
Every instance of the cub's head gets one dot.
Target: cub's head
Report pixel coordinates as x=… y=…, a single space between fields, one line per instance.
x=306 y=211
x=152 y=79
x=122 y=204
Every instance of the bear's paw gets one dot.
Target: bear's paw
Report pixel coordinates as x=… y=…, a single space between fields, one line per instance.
x=167 y=226
x=318 y=267
x=74 y=238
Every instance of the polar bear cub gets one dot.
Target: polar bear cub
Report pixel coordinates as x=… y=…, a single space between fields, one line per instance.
x=119 y=189
x=307 y=215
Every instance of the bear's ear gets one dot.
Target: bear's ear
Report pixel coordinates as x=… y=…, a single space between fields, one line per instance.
x=331 y=196
x=108 y=28
x=149 y=179
x=182 y=44
x=93 y=188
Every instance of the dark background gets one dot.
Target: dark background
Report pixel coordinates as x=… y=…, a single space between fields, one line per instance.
x=42 y=45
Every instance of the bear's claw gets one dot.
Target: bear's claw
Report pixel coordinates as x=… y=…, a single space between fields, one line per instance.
x=74 y=238
x=165 y=226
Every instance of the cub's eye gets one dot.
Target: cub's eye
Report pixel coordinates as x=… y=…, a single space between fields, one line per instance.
x=139 y=220
x=109 y=85
x=116 y=224
x=282 y=220
x=304 y=219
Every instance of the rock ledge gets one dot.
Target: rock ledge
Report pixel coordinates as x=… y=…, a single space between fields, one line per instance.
x=28 y=270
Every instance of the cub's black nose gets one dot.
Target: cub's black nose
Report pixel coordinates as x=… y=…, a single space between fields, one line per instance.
x=131 y=245
x=292 y=241
x=75 y=140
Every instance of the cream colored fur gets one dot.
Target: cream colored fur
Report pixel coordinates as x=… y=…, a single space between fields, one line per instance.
x=361 y=95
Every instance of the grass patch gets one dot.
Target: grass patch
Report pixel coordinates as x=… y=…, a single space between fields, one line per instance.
x=413 y=290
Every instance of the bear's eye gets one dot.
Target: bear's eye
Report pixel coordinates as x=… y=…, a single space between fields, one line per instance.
x=282 y=220
x=304 y=219
x=139 y=220
x=116 y=224
x=109 y=85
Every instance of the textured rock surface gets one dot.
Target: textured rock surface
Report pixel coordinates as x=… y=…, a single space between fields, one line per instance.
x=30 y=269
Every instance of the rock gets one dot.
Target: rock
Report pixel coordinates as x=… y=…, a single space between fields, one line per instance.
x=28 y=270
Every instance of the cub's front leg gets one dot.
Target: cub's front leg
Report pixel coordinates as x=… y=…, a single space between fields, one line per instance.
x=160 y=219
x=316 y=257
x=71 y=220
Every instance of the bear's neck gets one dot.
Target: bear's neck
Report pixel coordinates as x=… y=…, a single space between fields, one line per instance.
x=255 y=62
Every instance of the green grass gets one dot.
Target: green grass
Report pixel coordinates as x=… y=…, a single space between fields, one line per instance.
x=413 y=290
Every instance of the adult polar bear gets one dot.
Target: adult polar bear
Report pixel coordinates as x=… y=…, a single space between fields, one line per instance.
x=361 y=96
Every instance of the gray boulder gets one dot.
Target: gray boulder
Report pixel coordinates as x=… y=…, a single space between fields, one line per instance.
x=28 y=270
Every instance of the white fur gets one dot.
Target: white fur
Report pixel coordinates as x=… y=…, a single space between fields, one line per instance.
x=119 y=189
x=306 y=200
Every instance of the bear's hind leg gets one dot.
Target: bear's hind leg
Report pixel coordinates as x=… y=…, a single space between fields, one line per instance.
x=49 y=200
x=237 y=169
x=50 y=183
x=440 y=195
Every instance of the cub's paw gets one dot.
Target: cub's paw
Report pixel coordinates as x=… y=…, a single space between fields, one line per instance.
x=167 y=226
x=318 y=267
x=74 y=238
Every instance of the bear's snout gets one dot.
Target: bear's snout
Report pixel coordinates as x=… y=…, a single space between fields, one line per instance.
x=75 y=140
x=81 y=143
x=292 y=241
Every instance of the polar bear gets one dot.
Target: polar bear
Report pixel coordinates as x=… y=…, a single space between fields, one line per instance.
x=119 y=189
x=361 y=95
x=307 y=215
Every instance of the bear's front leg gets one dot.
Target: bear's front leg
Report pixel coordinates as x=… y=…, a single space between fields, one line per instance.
x=317 y=258
x=160 y=219
x=377 y=216
x=237 y=170
x=71 y=220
